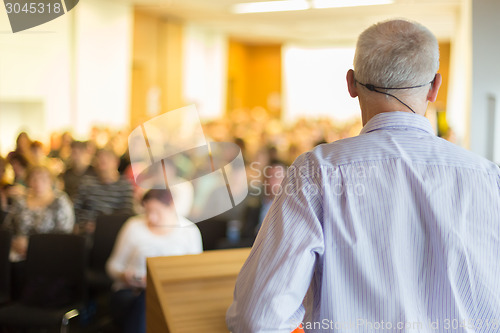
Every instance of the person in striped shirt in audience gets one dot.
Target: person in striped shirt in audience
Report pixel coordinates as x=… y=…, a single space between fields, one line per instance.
x=394 y=230
x=104 y=194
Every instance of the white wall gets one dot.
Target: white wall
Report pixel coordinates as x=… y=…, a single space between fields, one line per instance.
x=103 y=60
x=77 y=66
x=485 y=76
x=34 y=66
x=205 y=70
x=459 y=89
x=314 y=83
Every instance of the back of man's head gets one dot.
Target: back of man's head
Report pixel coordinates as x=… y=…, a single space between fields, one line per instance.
x=396 y=53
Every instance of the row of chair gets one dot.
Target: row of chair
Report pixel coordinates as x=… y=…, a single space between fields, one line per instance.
x=60 y=274
x=56 y=264
x=54 y=283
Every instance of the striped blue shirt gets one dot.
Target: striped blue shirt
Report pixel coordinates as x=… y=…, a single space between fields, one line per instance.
x=394 y=230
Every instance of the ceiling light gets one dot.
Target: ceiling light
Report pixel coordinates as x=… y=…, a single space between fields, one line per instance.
x=270 y=6
x=348 y=3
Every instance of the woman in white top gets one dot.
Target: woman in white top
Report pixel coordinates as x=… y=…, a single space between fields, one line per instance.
x=159 y=232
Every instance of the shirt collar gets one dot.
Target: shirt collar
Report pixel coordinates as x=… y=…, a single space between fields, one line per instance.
x=397 y=120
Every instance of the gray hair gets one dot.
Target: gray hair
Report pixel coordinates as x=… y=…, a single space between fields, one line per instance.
x=396 y=53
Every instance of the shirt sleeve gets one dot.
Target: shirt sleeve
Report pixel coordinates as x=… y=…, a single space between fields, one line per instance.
x=118 y=260
x=195 y=240
x=272 y=283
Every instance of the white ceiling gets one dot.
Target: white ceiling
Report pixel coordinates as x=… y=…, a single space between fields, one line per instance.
x=315 y=26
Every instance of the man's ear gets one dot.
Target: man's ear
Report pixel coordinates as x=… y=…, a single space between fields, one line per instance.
x=351 y=84
x=433 y=92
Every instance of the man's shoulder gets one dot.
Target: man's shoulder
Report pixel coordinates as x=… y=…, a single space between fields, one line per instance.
x=336 y=153
x=375 y=147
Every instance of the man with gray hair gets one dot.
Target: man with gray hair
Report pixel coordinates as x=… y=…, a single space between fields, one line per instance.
x=393 y=230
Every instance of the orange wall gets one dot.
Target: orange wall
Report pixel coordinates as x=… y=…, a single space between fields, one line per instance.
x=237 y=76
x=254 y=74
x=444 y=70
x=156 y=63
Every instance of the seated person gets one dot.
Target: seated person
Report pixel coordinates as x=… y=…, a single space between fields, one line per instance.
x=263 y=197
x=19 y=165
x=79 y=166
x=42 y=209
x=159 y=232
x=3 y=187
x=104 y=194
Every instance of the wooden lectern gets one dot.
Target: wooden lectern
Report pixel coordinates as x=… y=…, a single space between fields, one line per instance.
x=191 y=294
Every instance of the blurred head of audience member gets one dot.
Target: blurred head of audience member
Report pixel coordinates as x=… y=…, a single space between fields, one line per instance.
x=60 y=146
x=78 y=166
x=37 y=154
x=19 y=165
x=40 y=183
x=159 y=211
x=106 y=164
x=79 y=158
x=23 y=144
x=272 y=175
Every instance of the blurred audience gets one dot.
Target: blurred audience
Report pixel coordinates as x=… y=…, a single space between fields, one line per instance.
x=262 y=196
x=60 y=146
x=23 y=146
x=159 y=232
x=42 y=209
x=104 y=194
x=3 y=189
x=78 y=166
x=19 y=165
x=97 y=188
x=38 y=156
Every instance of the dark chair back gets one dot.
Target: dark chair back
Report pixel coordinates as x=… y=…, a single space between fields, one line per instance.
x=54 y=289
x=5 y=241
x=106 y=230
x=3 y=215
x=212 y=231
x=55 y=270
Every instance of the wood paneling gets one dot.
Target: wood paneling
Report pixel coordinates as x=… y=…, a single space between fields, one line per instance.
x=444 y=70
x=156 y=64
x=237 y=76
x=191 y=294
x=254 y=76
